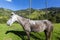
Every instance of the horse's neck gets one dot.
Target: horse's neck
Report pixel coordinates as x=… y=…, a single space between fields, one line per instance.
x=22 y=20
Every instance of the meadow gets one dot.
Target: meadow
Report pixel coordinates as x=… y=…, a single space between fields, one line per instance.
x=16 y=32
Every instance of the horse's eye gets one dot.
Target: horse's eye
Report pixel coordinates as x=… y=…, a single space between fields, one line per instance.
x=11 y=14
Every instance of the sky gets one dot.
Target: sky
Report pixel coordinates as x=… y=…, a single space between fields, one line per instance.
x=24 y=4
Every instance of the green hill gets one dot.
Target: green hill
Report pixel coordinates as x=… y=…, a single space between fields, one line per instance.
x=5 y=12
x=53 y=13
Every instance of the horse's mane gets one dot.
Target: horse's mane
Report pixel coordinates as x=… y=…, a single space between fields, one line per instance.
x=21 y=15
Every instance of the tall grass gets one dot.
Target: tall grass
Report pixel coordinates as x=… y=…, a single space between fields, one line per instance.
x=16 y=32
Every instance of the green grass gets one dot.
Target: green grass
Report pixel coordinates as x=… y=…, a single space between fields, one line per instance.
x=15 y=32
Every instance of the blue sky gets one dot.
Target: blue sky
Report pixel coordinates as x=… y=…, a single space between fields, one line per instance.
x=23 y=4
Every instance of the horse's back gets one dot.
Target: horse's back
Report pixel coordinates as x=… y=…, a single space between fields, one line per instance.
x=37 y=26
x=47 y=22
x=40 y=25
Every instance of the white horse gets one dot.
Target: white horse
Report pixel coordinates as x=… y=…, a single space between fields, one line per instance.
x=32 y=25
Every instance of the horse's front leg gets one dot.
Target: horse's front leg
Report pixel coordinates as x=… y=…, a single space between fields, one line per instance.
x=28 y=35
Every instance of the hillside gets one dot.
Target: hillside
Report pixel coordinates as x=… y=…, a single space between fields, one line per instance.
x=5 y=12
x=53 y=13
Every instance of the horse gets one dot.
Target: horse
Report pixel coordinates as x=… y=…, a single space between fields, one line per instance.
x=32 y=25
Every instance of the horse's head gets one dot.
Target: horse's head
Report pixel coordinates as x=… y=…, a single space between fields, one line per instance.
x=12 y=19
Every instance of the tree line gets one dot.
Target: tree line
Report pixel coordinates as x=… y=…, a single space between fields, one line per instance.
x=53 y=14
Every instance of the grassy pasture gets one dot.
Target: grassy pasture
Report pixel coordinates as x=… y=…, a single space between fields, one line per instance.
x=15 y=32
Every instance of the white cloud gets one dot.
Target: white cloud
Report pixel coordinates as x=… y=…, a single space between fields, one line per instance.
x=9 y=0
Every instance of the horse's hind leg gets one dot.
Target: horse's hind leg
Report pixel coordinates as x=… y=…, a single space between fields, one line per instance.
x=48 y=33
